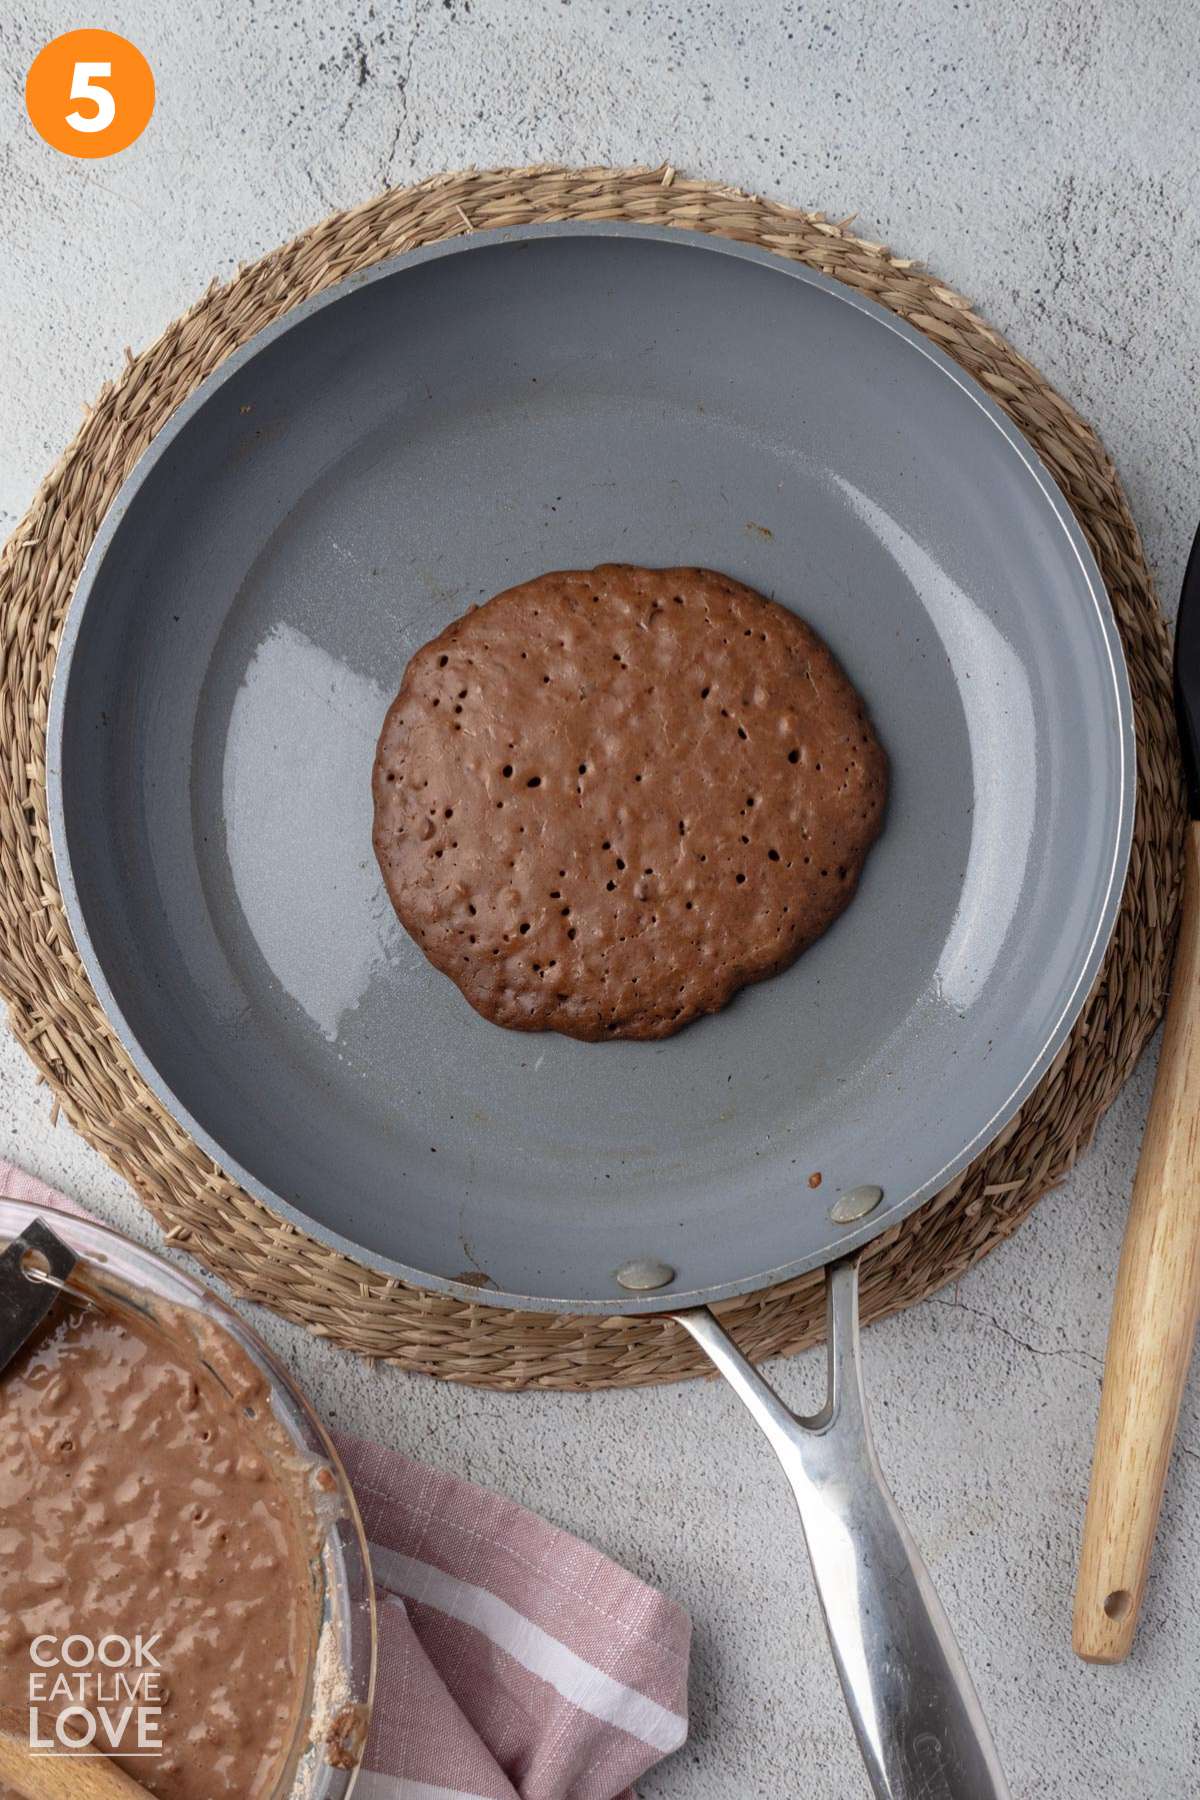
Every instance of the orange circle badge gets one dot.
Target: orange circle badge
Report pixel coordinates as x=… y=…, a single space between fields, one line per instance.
x=89 y=93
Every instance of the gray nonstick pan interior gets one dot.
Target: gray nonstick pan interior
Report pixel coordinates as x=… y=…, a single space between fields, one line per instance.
x=466 y=418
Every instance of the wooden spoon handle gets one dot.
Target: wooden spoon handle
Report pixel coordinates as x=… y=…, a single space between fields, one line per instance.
x=58 y=1777
x=1153 y=1320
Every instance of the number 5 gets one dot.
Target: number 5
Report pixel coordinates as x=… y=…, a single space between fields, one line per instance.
x=83 y=87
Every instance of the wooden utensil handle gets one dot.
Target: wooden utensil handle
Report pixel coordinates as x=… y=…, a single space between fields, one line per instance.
x=1153 y=1323
x=57 y=1777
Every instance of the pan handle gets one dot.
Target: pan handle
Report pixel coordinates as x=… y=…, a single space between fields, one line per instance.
x=918 y=1720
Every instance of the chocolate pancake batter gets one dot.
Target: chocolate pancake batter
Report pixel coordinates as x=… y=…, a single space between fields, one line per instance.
x=609 y=798
x=140 y=1494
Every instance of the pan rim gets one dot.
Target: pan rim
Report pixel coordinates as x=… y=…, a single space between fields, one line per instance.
x=1121 y=826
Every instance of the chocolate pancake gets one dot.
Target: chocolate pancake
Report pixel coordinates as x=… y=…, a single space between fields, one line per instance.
x=610 y=798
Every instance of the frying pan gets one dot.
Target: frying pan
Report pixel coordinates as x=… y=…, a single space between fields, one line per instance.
x=406 y=444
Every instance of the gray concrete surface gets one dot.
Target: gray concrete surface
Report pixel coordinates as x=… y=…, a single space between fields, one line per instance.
x=1041 y=156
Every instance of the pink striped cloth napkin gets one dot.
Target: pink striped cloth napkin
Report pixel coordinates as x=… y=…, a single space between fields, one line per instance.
x=515 y=1663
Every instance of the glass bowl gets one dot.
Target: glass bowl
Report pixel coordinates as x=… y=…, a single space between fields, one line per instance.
x=124 y=1275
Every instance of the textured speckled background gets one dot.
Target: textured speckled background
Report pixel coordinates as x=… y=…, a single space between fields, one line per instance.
x=1041 y=156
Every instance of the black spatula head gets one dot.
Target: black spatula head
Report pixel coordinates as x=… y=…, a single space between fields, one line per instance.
x=26 y=1298
x=1187 y=677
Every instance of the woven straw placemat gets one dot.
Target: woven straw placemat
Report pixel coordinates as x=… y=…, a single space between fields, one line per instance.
x=57 y=1018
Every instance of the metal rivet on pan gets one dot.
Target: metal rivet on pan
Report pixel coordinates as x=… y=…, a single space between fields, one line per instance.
x=645 y=1273
x=855 y=1203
